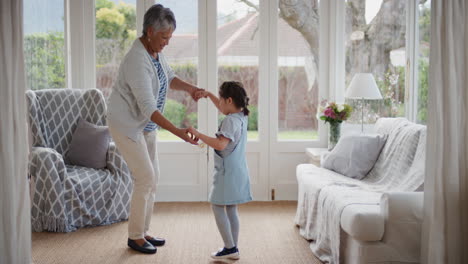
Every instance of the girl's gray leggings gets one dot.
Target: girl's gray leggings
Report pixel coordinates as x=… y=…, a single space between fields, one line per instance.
x=227 y=220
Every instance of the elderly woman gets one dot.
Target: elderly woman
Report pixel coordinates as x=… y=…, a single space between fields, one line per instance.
x=135 y=113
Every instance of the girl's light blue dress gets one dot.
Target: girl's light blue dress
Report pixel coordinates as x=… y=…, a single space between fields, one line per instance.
x=231 y=181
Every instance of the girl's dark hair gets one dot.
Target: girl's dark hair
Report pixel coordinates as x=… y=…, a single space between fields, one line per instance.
x=236 y=91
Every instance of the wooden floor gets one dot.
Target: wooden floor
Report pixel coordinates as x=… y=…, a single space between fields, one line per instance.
x=267 y=235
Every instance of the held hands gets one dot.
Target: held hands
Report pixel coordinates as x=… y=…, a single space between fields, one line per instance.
x=202 y=93
x=194 y=132
x=189 y=137
x=197 y=135
x=197 y=93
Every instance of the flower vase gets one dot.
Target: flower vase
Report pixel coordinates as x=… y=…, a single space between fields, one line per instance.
x=333 y=134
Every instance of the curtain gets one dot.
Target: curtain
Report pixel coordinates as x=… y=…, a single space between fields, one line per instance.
x=445 y=227
x=15 y=220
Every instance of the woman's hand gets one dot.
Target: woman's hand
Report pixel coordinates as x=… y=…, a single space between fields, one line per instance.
x=185 y=134
x=202 y=93
x=194 y=132
x=179 y=85
x=197 y=93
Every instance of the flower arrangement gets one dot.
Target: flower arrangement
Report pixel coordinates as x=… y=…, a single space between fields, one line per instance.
x=334 y=113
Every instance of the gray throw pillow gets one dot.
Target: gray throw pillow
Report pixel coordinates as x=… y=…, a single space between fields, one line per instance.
x=354 y=156
x=89 y=145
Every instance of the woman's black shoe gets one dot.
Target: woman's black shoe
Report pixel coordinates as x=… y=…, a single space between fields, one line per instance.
x=156 y=241
x=146 y=248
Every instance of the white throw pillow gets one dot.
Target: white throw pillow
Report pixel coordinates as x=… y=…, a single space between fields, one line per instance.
x=354 y=156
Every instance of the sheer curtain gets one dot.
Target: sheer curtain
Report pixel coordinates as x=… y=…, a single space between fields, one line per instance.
x=445 y=228
x=15 y=220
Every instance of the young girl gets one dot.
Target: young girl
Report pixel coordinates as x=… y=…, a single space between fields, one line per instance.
x=231 y=184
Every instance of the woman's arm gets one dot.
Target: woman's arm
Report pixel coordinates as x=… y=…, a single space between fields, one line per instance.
x=161 y=121
x=218 y=143
x=179 y=85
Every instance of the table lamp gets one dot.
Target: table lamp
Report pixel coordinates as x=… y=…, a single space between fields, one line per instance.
x=363 y=86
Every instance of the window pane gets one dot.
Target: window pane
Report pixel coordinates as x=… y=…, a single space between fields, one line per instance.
x=115 y=33
x=424 y=46
x=44 y=48
x=182 y=55
x=375 y=43
x=237 y=41
x=298 y=85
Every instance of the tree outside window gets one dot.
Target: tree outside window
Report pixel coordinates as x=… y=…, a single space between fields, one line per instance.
x=115 y=33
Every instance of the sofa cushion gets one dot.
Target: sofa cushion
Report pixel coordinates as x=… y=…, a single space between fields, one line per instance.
x=363 y=222
x=355 y=155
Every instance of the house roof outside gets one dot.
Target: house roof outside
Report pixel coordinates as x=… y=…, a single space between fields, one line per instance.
x=238 y=44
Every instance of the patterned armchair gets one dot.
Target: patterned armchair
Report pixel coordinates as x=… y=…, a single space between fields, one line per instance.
x=66 y=197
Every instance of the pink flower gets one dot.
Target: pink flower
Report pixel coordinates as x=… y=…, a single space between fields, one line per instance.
x=328 y=112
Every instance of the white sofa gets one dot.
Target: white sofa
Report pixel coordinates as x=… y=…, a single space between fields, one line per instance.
x=385 y=228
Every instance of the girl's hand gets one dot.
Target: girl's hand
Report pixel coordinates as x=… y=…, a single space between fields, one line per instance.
x=196 y=93
x=184 y=134
x=201 y=94
x=194 y=132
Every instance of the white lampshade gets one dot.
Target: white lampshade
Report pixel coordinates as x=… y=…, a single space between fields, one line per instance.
x=363 y=85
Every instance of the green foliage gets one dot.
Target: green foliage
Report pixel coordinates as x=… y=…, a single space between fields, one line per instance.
x=192 y=119
x=253 y=118
x=423 y=90
x=231 y=68
x=424 y=24
x=104 y=4
x=392 y=87
x=45 y=60
x=109 y=23
x=175 y=112
x=129 y=13
x=115 y=30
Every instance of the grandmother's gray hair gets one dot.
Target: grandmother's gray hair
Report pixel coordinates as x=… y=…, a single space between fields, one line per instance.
x=160 y=18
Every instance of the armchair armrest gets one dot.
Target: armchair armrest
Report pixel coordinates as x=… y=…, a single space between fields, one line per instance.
x=48 y=176
x=48 y=158
x=403 y=214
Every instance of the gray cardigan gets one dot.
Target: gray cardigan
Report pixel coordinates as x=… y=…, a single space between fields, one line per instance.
x=134 y=95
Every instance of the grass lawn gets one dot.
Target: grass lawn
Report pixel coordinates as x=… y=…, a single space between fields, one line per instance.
x=253 y=135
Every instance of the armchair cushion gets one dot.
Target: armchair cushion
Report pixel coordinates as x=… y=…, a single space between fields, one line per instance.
x=89 y=145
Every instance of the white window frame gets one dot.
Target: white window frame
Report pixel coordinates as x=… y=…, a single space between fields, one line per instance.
x=80 y=44
x=412 y=54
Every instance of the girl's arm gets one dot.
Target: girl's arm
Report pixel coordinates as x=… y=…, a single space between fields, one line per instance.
x=213 y=98
x=218 y=143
